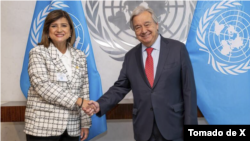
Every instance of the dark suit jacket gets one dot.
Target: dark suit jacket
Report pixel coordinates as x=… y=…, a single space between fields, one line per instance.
x=171 y=101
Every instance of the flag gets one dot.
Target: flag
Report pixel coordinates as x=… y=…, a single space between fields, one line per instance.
x=75 y=10
x=218 y=45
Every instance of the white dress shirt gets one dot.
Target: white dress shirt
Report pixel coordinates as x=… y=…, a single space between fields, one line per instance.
x=155 y=53
x=66 y=59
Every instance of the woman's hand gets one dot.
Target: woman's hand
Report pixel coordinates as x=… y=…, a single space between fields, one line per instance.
x=84 y=133
x=86 y=107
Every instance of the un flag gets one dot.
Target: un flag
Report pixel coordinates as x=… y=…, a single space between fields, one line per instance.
x=218 y=44
x=75 y=10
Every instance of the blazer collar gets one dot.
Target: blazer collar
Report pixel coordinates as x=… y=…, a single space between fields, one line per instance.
x=164 y=51
x=74 y=65
x=53 y=51
x=139 y=59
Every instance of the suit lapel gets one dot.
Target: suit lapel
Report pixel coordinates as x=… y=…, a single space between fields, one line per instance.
x=164 y=50
x=138 y=56
x=56 y=60
x=74 y=65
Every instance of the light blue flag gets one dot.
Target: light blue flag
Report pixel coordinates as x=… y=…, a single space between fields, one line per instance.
x=218 y=44
x=74 y=8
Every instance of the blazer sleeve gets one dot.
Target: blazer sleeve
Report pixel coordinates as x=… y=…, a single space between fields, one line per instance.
x=39 y=80
x=85 y=119
x=188 y=89
x=117 y=92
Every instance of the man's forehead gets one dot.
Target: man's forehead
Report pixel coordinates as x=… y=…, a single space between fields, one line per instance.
x=143 y=17
x=144 y=13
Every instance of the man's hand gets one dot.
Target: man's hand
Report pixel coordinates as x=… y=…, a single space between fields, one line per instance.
x=88 y=109
x=85 y=106
x=95 y=105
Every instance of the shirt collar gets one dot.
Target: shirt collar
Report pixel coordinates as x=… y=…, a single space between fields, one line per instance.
x=66 y=54
x=156 y=44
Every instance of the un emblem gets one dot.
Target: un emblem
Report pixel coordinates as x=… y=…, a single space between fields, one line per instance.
x=223 y=34
x=108 y=22
x=79 y=35
x=36 y=31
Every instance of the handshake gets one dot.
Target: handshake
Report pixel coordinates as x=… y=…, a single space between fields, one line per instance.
x=88 y=106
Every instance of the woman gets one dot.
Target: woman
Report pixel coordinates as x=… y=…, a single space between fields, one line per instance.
x=59 y=84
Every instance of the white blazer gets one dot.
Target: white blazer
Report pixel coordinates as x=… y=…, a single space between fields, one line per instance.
x=51 y=104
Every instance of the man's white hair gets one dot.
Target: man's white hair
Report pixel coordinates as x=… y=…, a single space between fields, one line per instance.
x=138 y=10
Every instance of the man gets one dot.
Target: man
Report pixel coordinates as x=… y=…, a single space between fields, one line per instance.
x=160 y=75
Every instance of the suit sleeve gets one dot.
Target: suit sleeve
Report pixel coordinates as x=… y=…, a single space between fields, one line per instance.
x=188 y=89
x=39 y=80
x=117 y=92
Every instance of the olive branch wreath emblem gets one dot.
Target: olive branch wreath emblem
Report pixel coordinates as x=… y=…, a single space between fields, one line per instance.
x=101 y=35
x=114 y=48
x=38 y=22
x=201 y=34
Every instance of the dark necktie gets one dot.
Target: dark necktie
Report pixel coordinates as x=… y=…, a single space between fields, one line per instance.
x=149 y=67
